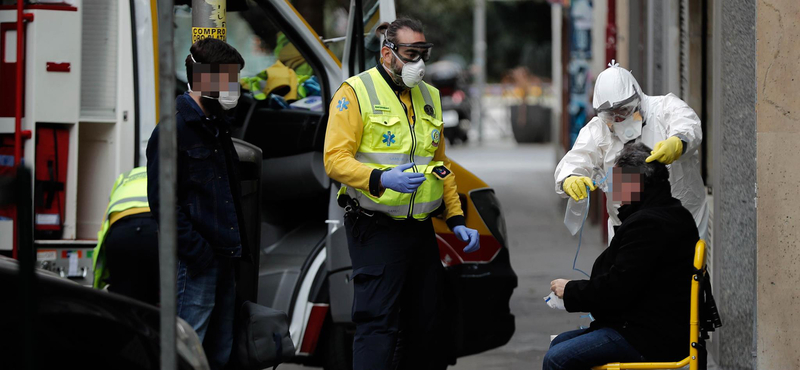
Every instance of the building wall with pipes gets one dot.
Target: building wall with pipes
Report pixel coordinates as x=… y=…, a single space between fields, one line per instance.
x=704 y=52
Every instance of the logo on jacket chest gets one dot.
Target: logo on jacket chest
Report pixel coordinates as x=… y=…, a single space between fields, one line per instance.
x=388 y=138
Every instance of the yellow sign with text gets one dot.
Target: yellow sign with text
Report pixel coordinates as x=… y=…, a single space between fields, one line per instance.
x=199 y=33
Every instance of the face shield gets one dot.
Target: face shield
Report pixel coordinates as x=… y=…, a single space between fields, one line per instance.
x=620 y=111
x=623 y=118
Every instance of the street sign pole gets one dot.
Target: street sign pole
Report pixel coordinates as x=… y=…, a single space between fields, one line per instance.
x=479 y=61
x=167 y=152
x=209 y=20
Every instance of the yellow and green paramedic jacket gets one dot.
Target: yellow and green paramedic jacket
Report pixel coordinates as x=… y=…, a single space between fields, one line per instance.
x=128 y=197
x=373 y=127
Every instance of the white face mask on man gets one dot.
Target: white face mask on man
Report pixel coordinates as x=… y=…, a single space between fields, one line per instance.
x=411 y=74
x=227 y=99
x=228 y=92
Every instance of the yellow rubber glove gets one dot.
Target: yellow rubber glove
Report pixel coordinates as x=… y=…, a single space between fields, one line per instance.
x=666 y=151
x=575 y=186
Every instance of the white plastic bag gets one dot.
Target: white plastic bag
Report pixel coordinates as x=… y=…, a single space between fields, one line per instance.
x=554 y=302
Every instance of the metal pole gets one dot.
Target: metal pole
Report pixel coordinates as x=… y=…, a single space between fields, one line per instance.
x=27 y=261
x=209 y=20
x=18 y=85
x=557 y=85
x=167 y=152
x=18 y=109
x=479 y=60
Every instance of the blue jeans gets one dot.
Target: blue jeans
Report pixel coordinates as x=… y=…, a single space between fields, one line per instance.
x=584 y=348
x=206 y=301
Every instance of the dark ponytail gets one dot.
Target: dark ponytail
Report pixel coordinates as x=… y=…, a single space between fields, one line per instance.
x=389 y=30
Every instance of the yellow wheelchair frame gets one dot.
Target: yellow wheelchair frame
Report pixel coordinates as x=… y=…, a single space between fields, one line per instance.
x=694 y=324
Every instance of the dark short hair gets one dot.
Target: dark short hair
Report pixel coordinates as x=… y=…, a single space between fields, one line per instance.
x=211 y=51
x=390 y=29
x=634 y=155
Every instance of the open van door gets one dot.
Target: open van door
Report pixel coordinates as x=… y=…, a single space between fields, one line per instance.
x=362 y=46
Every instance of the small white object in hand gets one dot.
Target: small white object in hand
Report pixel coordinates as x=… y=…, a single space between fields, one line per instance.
x=554 y=302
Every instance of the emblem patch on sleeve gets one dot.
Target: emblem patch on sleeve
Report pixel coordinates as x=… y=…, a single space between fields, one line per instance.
x=343 y=104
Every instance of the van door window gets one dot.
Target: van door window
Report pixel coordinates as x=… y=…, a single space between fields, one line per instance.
x=275 y=71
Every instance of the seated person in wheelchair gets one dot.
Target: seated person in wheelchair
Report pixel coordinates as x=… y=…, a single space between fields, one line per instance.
x=640 y=286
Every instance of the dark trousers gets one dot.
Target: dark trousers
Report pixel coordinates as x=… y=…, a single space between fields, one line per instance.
x=132 y=257
x=398 y=304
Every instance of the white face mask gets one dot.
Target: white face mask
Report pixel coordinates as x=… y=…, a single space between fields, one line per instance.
x=412 y=72
x=628 y=129
x=227 y=99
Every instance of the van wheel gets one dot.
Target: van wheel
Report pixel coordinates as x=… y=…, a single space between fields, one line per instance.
x=339 y=346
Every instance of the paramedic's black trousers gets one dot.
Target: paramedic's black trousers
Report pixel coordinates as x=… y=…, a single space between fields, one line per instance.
x=398 y=304
x=132 y=257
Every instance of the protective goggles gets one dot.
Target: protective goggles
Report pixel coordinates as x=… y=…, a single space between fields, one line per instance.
x=620 y=111
x=411 y=53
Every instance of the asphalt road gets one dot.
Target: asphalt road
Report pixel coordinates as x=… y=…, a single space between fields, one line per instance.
x=541 y=248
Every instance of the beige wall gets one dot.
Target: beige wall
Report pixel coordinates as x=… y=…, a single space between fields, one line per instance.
x=778 y=138
x=599 y=22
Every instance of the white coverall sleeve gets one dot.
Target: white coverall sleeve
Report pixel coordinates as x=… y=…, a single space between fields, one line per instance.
x=581 y=160
x=682 y=121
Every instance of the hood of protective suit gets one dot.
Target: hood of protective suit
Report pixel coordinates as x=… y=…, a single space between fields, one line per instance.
x=615 y=85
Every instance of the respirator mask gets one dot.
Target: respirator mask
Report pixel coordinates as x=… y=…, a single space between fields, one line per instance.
x=623 y=118
x=413 y=66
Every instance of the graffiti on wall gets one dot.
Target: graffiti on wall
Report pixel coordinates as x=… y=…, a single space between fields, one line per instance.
x=580 y=57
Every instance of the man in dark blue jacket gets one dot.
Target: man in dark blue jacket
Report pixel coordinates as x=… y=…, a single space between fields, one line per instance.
x=209 y=217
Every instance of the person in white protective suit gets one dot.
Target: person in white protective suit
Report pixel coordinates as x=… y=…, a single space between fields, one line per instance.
x=624 y=113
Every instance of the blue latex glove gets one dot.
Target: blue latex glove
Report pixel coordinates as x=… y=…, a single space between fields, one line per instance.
x=312 y=86
x=466 y=234
x=402 y=182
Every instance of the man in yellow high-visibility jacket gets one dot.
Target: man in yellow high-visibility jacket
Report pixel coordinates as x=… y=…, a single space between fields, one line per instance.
x=126 y=255
x=384 y=144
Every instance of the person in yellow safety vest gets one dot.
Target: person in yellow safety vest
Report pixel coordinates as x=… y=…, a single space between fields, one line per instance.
x=126 y=256
x=384 y=144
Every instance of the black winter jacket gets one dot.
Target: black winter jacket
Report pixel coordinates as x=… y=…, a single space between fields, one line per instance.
x=209 y=191
x=640 y=285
